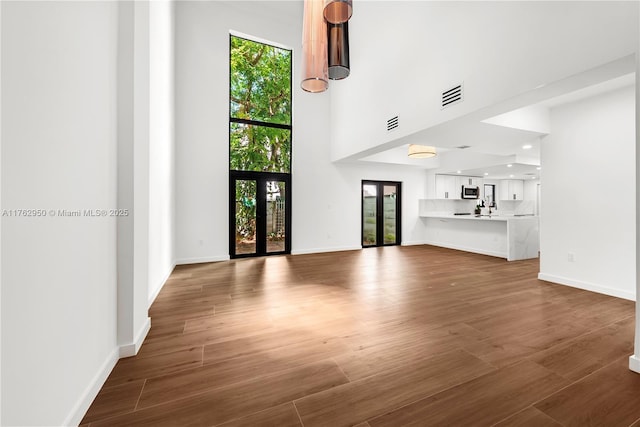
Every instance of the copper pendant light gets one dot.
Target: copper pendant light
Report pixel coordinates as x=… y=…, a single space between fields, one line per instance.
x=315 y=74
x=338 y=41
x=338 y=11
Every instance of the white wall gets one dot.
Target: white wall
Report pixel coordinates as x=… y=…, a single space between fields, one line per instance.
x=58 y=152
x=405 y=53
x=588 y=199
x=634 y=360
x=327 y=202
x=326 y=196
x=161 y=145
x=0 y=222
x=133 y=174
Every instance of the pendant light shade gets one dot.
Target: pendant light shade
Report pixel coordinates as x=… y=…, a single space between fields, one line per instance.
x=315 y=74
x=421 y=151
x=338 y=11
x=338 y=39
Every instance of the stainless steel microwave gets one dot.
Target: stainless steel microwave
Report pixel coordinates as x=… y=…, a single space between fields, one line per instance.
x=470 y=192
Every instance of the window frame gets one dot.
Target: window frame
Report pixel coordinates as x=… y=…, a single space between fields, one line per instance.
x=251 y=122
x=235 y=174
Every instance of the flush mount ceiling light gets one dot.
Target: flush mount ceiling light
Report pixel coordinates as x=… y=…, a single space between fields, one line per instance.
x=325 y=43
x=338 y=11
x=421 y=151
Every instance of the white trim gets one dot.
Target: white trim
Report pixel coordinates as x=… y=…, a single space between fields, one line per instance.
x=153 y=297
x=259 y=40
x=202 y=260
x=321 y=250
x=634 y=363
x=416 y=243
x=467 y=249
x=587 y=286
x=90 y=393
x=132 y=349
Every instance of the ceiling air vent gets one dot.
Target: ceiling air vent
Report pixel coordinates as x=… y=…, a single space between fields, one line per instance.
x=392 y=123
x=463 y=147
x=452 y=96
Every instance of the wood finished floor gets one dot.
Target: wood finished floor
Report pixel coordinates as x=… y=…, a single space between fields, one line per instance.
x=396 y=336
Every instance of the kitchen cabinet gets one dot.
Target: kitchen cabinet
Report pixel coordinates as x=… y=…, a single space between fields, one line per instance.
x=469 y=180
x=450 y=186
x=512 y=189
x=447 y=187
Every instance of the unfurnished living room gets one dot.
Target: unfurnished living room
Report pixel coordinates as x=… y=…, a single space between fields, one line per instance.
x=319 y=213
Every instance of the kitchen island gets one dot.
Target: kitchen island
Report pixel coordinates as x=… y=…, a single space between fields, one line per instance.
x=510 y=237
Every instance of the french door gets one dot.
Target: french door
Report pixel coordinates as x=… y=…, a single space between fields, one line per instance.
x=381 y=213
x=259 y=214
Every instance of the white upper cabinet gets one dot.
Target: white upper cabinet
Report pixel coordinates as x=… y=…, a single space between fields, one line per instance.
x=450 y=186
x=469 y=180
x=447 y=187
x=511 y=189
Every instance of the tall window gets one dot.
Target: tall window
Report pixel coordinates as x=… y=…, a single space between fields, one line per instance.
x=260 y=107
x=259 y=148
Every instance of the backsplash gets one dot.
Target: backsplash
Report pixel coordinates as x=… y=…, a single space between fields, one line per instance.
x=443 y=207
x=447 y=207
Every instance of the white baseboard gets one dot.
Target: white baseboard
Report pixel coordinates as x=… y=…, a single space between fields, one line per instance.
x=587 y=286
x=634 y=363
x=128 y=350
x=81 y=408
x=160 y=285
x=202 y=260
x=416 y=243
x=466 y=249
x=322 y=250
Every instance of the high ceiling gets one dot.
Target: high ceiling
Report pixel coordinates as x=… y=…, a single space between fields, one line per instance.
x=490 y=148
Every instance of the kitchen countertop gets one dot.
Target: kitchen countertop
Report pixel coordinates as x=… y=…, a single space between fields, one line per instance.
x=480 y=218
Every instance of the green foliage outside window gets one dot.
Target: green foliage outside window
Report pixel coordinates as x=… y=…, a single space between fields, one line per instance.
x=260 y=91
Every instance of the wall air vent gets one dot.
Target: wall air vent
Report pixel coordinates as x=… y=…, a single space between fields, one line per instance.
x=463 y=147
x=452 y=96
x=392 y=123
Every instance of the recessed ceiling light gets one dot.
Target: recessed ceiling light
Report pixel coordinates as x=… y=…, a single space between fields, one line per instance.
x=539 y=168
x=533 y=177
x=509 y=165
x=510 y=176
x=486 y=173
x=458 y=171
x=527 y=147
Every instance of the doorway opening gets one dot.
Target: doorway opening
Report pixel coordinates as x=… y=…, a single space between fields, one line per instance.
x=381 y=213
x=260 y=223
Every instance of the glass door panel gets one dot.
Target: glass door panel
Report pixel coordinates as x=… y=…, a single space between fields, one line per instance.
x=259 y=214
x=380 y=213
x=369 y=214
x=245 y=217
x=389 y=213
x=276 y=215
